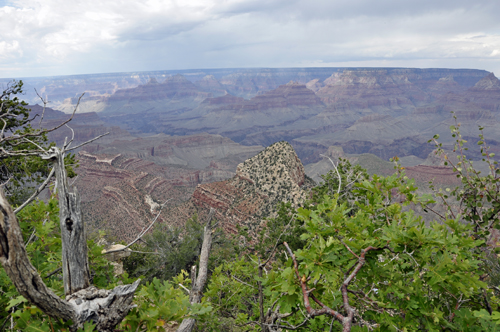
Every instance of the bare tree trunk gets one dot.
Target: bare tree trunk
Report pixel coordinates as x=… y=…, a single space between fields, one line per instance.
x=196 y=292
x=16 y=263
x=105 y=308
x=261 y=300
x=76 y=273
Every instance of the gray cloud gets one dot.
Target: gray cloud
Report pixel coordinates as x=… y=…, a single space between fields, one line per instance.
x=57 y=37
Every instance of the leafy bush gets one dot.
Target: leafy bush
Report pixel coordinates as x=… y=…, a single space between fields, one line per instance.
x=160 y=303
x=364 y=247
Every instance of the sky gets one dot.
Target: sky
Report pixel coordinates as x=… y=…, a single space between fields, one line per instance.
x=61 y=37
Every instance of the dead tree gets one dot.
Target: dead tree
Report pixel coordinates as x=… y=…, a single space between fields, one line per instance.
x=83 y=302
x=199 y=282
x=75 y=265
x=103 y=307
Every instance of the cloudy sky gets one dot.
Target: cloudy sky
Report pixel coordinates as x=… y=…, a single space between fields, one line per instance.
x=64 y=37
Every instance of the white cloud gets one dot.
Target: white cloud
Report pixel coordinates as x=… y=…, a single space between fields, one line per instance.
x=9 y=50
x=56 y=37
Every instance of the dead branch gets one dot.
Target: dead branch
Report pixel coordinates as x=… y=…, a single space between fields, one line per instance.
x=87 y=142
x=242 y=282
x=196 y=292
x=3 y=139
x=142 y=233
x=337 y=170
x=45 y=102
x=53 y=272
x=36 y=192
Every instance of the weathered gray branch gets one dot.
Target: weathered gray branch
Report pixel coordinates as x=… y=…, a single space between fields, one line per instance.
x=106 y=308
x=76 y=272
x=199 y=282
x=87 y=142
x=21 y=272
x=337 y=170
x=45 y=102
x=37 y=192
x=142 y=233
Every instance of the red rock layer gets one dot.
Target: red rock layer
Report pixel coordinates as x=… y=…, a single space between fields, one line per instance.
x=291 y=94
x=437 y=174
x=173 y=87
x=273 y=176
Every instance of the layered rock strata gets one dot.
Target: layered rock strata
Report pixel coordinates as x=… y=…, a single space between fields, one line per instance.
x=273 y=176
x=122 y=184
x=383 y=111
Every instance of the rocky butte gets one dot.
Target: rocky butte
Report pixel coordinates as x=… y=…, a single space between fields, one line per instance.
x=274 y=175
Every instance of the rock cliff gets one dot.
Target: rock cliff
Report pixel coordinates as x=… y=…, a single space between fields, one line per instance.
x=288 y=95
x=210 y=84
x=486 y=93
x=85 y=126
x=122 y=182
x=274 y=175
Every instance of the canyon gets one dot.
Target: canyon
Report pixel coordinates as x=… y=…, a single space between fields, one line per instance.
x=386 y=112
x=127 y=186
x=190 y=136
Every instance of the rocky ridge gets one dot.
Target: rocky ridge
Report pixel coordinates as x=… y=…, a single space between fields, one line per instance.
x=274 y=175
x=124 y=182
x=84 y=126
